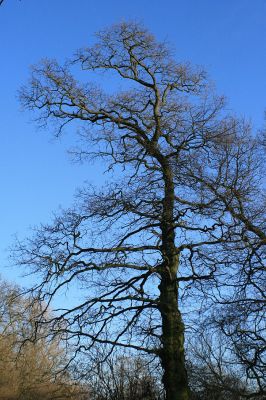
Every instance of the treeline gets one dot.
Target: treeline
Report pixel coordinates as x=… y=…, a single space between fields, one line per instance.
x=33 y=367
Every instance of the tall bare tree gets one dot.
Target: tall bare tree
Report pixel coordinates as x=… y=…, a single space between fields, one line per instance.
x=160 y=239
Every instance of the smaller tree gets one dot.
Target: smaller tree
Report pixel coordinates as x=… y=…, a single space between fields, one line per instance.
x=29 y=368
x=213 y=373
x=125 y=377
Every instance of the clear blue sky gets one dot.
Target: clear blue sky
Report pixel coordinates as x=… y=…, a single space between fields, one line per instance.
x=227 y=37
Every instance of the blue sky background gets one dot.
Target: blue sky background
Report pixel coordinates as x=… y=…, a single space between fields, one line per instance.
x=227 y=37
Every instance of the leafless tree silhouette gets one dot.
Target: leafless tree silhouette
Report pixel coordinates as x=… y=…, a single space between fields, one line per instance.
x=180 y=229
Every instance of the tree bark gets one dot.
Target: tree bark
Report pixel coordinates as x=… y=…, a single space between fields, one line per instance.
x=172 y=353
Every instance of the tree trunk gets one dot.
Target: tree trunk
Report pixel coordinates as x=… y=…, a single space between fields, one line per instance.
x=172 y=355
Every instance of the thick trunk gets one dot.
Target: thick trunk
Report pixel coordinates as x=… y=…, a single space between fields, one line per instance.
x=172 y=354
x=172 y=340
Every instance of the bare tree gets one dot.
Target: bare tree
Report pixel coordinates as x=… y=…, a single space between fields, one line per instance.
x=124 y=377
x=161 y=239
x=215 y=370
x=240 y=300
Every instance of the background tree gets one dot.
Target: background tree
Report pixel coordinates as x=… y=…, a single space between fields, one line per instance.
x=124 y=377
x=29 y=370
x=163 y=238
x=215 y=371
x=239 y=313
